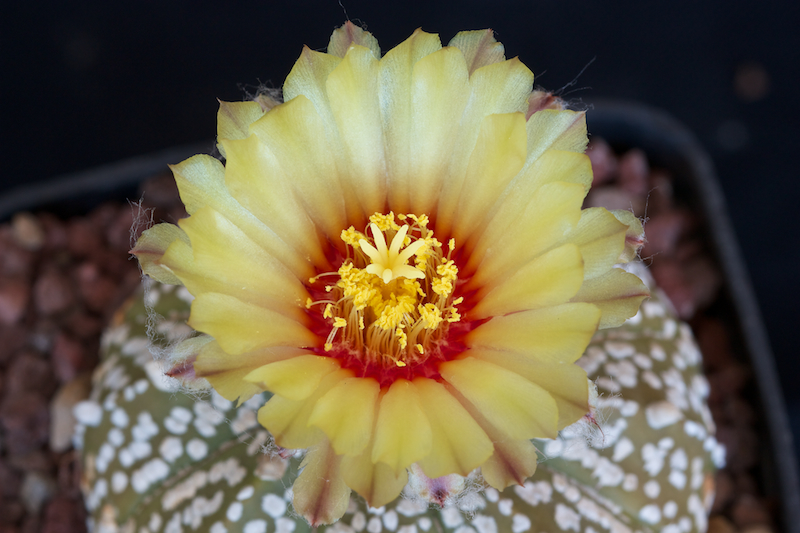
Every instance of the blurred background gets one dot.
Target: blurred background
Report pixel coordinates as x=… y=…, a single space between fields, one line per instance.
x=88 y=83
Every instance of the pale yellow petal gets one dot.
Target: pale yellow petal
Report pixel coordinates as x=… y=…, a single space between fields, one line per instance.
x=479 y=47
x=258 y=183
x=497 y=88
x=439 y=92
x=566 y=383
x=616 y=293
x=552 y=129
x=550 y=279
x=296 y=378
x=601 y=238
x=234 y=119
x=402 y=432
x=226 y=260
x=459 y=444
x=201 y=182
x=524 y=232
x=497 y=158
x=353 y=93
x=294 y=133
x=307 y=78
x=349 y=34
x=287 y=420
x=346 y=414
x=226 y=372
x=151 y=247
x=553 y=334
x=512 y=461
x=375 y=482
x=517 y=407
x=553 y=166
x=241 y=327
x=320 y=493
x=397 y=104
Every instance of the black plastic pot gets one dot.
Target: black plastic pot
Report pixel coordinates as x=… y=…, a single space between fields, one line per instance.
x=668 y=145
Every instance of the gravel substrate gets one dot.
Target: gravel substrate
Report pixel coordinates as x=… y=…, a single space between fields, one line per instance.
x=60 y=280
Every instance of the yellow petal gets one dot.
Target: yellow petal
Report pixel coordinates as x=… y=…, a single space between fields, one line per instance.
x=226 y=372
x=320 y=493
x=566 y=383
x=617 y=294
x=151 y=247
x=459 y=445
x=349 y=34
x=241 y=327
x=258 y=277
x=508 y=243
x=257 y=182
x=497 y=158
x=353 y=93
x=397 y=109
x=402 y=432
x=307 y=78
x=552 y=334
x=513 y=460
x=294 y=379
x=551 y=279
x=601 y=238
x=287 y=420
x=552 y=129
x=497 y=88
x=201 y=182
x=346 y=414
x=234 y=119
x=375 y=482
x=516 y=406
x=439 y=92
x=479 y=47
x=293 y=132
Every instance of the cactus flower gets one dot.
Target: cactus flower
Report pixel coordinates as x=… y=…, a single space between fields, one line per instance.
x=397 y=252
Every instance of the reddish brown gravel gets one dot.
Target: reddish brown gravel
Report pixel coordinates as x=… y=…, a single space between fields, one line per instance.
x=62 y=279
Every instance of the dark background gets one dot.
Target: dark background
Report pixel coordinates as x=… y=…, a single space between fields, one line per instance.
x=87 y=83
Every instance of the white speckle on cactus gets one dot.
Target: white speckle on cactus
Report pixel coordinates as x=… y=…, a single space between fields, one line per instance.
x=88 y=413
x=284 y=525
x=390 y=520
x=534 y=493
x=273 y=505
x=218 y=527
x=150 y=473
x=653 y=458
x=128 y=393
x=184 y=490
x=116 y=437
x=505 y=506
x=608 y=384
x=230 y=470
x=652 y=379
x=255 y=526
x=140 y=450
x=155 y=522
x=196 y=449
x=145 y=427
x=184 y=294
x=136 y=346
x=697 y=473
x=245 y=419
x=619 y=350
x=408 y=507
x=643 y=361
x=359 y=521
x=258 y=443
x=662 y=414
x=126 y=458
x=677 y=479
x=624 y=372
x=670 y=510
x=170 y=449
x=424 y=523
x=650 y=514
x=520 y=523
x=374 y=525
x=608 y=474
x=485 y=524
x=622 y=449
x=657 y=352
x=567 y=519
x=652 y=489
x=410 y=528
x=104 y=456
x=234 y=512
x=630 y=483
x=119 y=482
x=156 y=376
x=491 y=494
x=465 y=529
x=271 y=468
x=451 y=517
x=246 y=493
